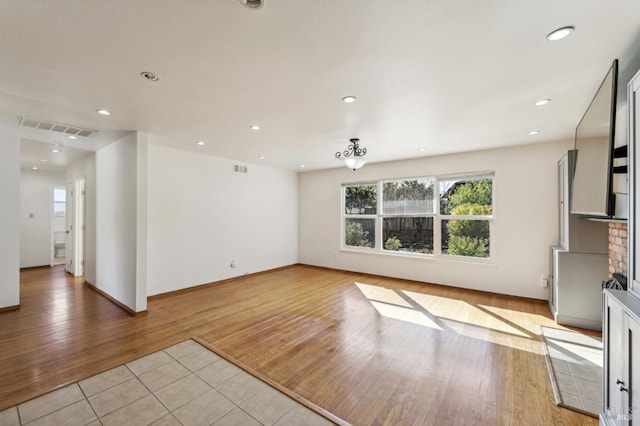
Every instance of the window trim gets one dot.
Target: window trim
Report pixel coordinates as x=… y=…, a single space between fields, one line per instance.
x=437 y=254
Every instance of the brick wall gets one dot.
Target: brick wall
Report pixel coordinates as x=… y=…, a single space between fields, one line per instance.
x=617 y=248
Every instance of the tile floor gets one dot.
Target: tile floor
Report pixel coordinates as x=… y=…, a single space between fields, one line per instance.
x=577 y=363
x=185 y=384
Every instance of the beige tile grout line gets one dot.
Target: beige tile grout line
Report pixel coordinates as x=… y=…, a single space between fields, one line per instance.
x=87 y=398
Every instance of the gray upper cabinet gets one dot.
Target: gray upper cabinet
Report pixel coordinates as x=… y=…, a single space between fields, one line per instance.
x=577 y=234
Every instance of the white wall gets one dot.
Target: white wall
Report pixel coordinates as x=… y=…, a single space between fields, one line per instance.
x=525 y=211
x=9 y=215
x=116 y=220
x=36 y=199
x=202 y=215
x=142 y=182
x=85 y=168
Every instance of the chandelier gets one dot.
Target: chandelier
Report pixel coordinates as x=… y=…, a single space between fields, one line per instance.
x=353 y=156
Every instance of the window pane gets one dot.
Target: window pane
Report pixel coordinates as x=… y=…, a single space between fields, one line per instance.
x=464 y=197
x=410 y=234
x=59 y=195
x=361 y=199
x=59 y=209
x=408 y=197
x=462 y=237
x=360 y=232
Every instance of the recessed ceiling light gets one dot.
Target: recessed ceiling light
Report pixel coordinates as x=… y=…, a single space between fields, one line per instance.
x=254 y=127
x=34 y=168
x=421 y=149
x=260 y=157
x=72 y=137
x=560 y=33
x=103 y=112
x=56 y=149
x=302 y=166
x=534 y=132
x=543 y=102
x=149 y=76
x=349 y=99
x=200 y=143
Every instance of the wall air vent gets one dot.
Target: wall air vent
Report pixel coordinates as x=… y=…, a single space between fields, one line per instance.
x=239 y=169
x=55 y=127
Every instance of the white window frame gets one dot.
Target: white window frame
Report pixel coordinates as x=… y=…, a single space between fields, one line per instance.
x=346 y=216
x=55 y=202
x=437 y=219
x=382 y=215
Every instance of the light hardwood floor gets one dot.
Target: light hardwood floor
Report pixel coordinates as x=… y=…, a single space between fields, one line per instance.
x=369 y=349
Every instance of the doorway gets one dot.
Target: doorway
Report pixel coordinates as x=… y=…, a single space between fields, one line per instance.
x=59 y=225
x=78 y=228
x=68 y=229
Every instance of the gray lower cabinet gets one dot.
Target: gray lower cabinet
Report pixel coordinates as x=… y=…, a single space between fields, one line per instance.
x=621 y=368
x=576 y=288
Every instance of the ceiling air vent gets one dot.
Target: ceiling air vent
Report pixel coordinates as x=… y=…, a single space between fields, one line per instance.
x=239 y=169
x=55 y=127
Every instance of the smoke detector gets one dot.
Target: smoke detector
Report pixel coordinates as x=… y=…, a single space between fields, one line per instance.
x=252 y=4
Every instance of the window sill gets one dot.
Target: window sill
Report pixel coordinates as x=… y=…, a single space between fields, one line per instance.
x=428 y=257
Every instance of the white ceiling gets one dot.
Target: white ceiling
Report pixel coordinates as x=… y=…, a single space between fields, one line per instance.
x=447 y=76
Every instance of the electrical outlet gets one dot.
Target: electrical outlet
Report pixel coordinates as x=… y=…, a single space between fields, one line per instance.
x=544 y=281
x=233 y=264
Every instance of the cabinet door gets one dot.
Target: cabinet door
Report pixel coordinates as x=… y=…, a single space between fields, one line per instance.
x=563 y=200
x=616 y=401
x=634 y=370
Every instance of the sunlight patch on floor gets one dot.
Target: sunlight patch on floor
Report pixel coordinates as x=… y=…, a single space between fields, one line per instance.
x=381 y=294
x=405 y=314
x=516 y=317
x=462 y=311
x=492 y=336
x=487 y=323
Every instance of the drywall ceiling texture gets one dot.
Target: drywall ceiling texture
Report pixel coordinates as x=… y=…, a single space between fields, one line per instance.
x=202 y=216
x=447 y=76
x=525 y=213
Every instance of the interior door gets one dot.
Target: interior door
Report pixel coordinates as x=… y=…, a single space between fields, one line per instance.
x=79 y=227
x=69 y=229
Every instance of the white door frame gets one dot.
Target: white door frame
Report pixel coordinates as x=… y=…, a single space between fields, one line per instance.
x=75 y=247
x=79 y=227
x=52 y=236
x=69 y=246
